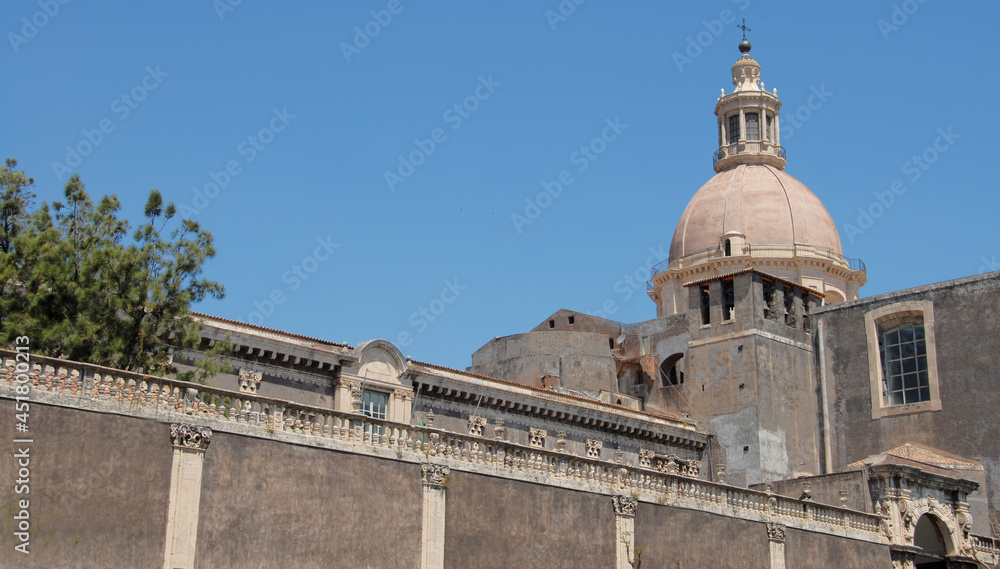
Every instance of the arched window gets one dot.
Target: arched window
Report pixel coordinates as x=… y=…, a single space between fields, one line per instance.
x=670 y=374
x=904 y=364
x=729 y=248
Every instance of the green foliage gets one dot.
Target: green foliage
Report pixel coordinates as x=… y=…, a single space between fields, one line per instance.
x=82 y=287
x=211 y=364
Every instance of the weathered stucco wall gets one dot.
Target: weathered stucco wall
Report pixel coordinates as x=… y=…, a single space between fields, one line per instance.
x=268 y=504
x=967 y=331
x=98 y=490
x=581 y=360
x=807 y=550
x=674 y=537
x=495 y=523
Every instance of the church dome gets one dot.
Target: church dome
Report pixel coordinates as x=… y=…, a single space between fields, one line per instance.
x=759 y=203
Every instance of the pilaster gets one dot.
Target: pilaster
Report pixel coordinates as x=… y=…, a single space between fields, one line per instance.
x=190 y=443
x=435 y=483
x=625 y=548
x=776 y=544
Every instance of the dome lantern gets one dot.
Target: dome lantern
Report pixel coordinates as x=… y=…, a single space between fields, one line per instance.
x=748 y=119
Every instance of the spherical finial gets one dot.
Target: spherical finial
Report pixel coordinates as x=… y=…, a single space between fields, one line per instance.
x=744 y=46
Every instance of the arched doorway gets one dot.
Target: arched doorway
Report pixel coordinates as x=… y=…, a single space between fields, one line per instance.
x=932 y=538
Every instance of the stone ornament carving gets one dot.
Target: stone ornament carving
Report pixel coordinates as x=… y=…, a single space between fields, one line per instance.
x=645 y=457
x=963 y=520
x=594 y=448
x=435 y=475
x=355 y=387
x=499 y=431
x=536 y=437
x=625 y=505
x=476 y=425
x=190 y=436
x=561 y=441
x=775 y=532
x=250 y=380
x=903 y=560
x=906 y=513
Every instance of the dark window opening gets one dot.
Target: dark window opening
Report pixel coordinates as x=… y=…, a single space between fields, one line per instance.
x=552 y=323
x=789 y=306
x=728 y=300
x=729 y=248
x=611 y=343
x=572 y=319
x=669 y=372
x=734 y=129
x=753 y=126
x=705 y=309
x=769 y=308
x=806 y=320
x=770 y=135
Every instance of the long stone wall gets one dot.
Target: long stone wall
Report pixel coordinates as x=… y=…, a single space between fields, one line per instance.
x=201 y=477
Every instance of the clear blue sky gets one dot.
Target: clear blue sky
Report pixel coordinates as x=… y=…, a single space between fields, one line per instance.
x=309 y=128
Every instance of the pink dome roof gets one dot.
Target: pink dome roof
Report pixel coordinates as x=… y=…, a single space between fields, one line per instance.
x=763 y=203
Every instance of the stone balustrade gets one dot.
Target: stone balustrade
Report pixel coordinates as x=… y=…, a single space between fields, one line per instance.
x=671 y=481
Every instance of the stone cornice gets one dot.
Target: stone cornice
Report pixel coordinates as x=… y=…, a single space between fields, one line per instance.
x=561 y=408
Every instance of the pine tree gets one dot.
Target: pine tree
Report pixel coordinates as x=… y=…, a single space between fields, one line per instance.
x=82 y=287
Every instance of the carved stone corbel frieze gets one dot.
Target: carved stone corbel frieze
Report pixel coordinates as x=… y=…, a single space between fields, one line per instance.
x=403 y=394
x=434 y=475
x=250 y=380
x=625 y=505
x=776 y=532
x=183 y=435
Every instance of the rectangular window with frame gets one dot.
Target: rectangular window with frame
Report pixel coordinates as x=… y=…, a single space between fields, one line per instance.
x=768 y=131
x=734 y=129
x=374 y=404
x=753 y=126
x=902 y=359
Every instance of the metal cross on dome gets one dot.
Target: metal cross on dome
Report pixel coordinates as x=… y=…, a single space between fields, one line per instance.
x=744 y=28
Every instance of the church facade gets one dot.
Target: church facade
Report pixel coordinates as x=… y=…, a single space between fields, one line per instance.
x=768 y=416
